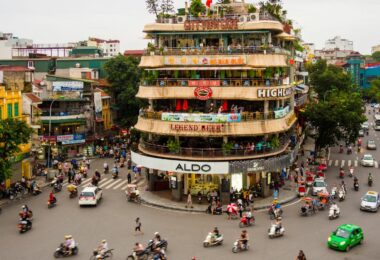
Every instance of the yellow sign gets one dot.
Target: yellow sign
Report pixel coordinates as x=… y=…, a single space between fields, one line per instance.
x=205 y=60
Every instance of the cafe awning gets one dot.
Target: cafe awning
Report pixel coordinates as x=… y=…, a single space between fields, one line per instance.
x=302 y=88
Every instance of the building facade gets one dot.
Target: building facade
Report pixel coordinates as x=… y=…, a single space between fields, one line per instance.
x=375 y=48
x=110 y=48
x=8 y=42
x=339 y=43
x=221 y=104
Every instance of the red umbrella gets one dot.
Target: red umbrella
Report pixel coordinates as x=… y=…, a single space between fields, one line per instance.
x=185 y=105
x=178 y=106
x=225 y=105
x=232 y=208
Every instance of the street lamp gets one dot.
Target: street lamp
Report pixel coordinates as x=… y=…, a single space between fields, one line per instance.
x=48 y=160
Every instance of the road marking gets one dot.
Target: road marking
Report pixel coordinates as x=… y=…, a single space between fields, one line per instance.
x=102 y=181
x=349 y=163
x=113 y=183
x=86 y=181
x=336 y=163
x=120 y=184
x=105 y=183
x=125 y=187
x=342 y=164
x=376 y=164
x=356 y=163
x=330 y=162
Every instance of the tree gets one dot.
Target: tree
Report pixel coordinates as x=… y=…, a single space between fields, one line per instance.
x=338 y=113
x=13 y=132
x=124 y=76
x=167 y=7
x=373 y=92
x=376 y=56
x=197 y=7
x=153 y=6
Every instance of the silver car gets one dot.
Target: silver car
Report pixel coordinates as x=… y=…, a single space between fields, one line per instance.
x=368 y=160
x=371 y=145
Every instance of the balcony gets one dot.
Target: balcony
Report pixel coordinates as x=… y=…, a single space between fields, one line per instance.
x=262 y=150
x=250 y=127
x=62 y=117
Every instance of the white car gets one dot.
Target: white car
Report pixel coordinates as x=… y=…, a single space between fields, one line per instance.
x=90 y=196
x=319 y=185
x=367 y=160
x=365 y=125
x=370 y=201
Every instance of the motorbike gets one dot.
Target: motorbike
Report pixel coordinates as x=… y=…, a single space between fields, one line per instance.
x=239 y=247
x=115 y=175
x=140 y=256
x=211 y=240
x=36 y=190
x=83 y=171
x=273 y=232
x=356 y=186
x=341 y=195
x=244 y=222
x=273 y=215
x=61 y=251
x=333 y=193
x=334 y=214
x=306 y=211
x=106 y=170
x=73 y=194
x=107 y=254
x=163 y=244
x=349 y=150
x=24 y=226
x=351 y=174
x=57 y=187
x=341 y=174
x=370 y=181
x=51 y=204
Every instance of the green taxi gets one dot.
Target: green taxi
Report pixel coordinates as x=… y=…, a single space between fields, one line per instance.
x=345 y=237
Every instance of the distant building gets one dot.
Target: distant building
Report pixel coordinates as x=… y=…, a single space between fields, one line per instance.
x=353 y=66
x=375 y=48
x=333 y=57
x=134 y=53
x=338 y=43
x=8 y=42
x=309 y=49
x=110 y=48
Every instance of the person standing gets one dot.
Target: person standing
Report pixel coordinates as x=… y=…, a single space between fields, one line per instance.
x=189 y=201
x=301 y=256
x=70 y=175
x=129 y=177
x=138 y=226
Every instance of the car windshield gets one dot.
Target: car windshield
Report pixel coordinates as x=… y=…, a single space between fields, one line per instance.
x=367 y=157
x=369 y=198
x=87 y=194
x=319 y=184
x=342 y=233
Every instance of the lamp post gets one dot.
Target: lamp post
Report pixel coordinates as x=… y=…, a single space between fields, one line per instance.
x=48 y=160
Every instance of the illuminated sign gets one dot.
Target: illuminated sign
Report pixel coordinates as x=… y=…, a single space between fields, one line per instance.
x=274 y=92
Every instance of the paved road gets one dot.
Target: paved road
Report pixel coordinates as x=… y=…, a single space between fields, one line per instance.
x=114 y=218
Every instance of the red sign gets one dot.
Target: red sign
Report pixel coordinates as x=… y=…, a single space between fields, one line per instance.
x=203 y=93
x=204 y=83
x=198 y=128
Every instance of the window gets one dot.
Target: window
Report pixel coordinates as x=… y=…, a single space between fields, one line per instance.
x=30 y=64
x=16 y=109
x=10 y=114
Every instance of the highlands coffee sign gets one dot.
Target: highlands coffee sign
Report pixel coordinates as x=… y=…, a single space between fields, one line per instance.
x=211 y=25
x=179 y=166
x=274 y=92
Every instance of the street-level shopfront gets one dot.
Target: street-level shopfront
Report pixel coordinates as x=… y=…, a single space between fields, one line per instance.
x=70 y=145
x=181 y=177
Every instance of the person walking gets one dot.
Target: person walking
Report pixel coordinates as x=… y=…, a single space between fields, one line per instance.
x=138 y=226
x=129 y=177
x=70 y=175
x=189 y=201
x=301 y=256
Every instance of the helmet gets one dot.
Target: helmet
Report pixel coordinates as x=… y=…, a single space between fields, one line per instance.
x=68 y=236
x=156 y=233
x=104 y=241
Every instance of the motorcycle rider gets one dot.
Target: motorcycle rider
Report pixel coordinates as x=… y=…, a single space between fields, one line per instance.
x=115 y=170
x=334 y=190
x=105 y=167
x=356 y=183
x=370 y=179
x=102 y=248
x=334 y=207
x=343 y=185
x=52 y=198
x=97 y=174
x=243 y=240
x=278 y=224
x=351 y=171
x=69 y=244
x=138 y=249
x=249 y=216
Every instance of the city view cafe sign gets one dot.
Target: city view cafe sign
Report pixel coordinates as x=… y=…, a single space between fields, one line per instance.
x=211 y=24
x=179 y=165
x=205 y=60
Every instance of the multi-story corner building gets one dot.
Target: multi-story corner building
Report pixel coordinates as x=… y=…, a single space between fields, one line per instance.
x=221 y=103
x=8 y=42
x=110 y=48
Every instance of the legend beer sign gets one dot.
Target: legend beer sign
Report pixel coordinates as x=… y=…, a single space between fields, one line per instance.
x=274 y=92
x=211 y=24
x=214 y=128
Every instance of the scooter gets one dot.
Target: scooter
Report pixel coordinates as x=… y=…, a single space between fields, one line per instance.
x=36 y=190
x=211 y=240
x=370 y=181
x=24 y=226
x=57 y=187
x=115 y=175
x=333 y=213
x=273 y=233
x=333 y=192
x=351 y=174
x=73 y=193
x=244 y=222
x=341 y=195
x=356 y=186
x=61 y=251
x=238 y=247
x=341 y=174
x=52 y=204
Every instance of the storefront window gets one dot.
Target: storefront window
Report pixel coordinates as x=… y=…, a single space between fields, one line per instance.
x=237 y=181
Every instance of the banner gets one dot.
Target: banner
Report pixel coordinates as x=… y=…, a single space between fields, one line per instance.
x=201 y=118
x=281 y=113
x=68 y=86
x=205 y=60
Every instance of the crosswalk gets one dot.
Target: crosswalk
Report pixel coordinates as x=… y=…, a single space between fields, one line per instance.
x=348 y=163
x=105 y=183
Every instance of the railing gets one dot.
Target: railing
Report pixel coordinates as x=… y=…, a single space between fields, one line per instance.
x=215 y=50
x=239 y=117
x=301 y=100
x=261 y=148
x=227 y=82
x=61 y=113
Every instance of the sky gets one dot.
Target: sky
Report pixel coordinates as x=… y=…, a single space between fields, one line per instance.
x=47 y=21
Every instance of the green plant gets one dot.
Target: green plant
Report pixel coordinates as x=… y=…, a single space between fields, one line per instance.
x=252 y=9
x=173 y=146
x=227 y=147
x=197 y=7
x=275 y=142
x=176 y=74
x=151 y=47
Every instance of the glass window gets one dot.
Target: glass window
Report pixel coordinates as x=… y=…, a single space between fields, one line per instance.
x=16 y=109
x=10 y=112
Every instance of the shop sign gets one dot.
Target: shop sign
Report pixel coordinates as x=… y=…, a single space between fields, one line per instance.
x=178 y=166
x=282 y=112
x=48 y=138
x=211 y=24
x=217 y=128
x=201 y=118
x=203 y=93
x=204 y=60
x=73 y=142
x=68 y=86
x=204 y=83
x=63 y=138
x=256 y=166
x=274 y=92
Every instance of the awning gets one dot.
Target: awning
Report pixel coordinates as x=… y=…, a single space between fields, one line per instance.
x=285 y=36
x=208 y=68
x=302 y=88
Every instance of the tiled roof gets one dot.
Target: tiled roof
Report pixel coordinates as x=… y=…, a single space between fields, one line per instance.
x=33 y=98
x=133 y=52
x=14 y=68
x=103 y=82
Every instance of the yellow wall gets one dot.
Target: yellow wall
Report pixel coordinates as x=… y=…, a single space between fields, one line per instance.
x=9 y=97
x=106 y=114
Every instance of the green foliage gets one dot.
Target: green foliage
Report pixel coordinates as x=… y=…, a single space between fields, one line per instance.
x=338 y=114
x=224 y=2
x=124 y=77
x=274 y=8
x=227 y=147
x=153 y=6
x=275 y=142
x=173 y=145
x=373 y=92
x=13 y=132
x=376 y=56
x=298 y=46
x=252 y=9
x=197 y=7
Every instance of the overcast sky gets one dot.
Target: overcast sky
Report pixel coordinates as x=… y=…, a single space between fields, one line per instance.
x=47 y=21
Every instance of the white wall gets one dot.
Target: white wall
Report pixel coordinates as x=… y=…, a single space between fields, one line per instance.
x=5 y=50
x=339 y=43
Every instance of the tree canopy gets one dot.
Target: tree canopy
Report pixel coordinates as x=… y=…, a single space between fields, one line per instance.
x=13 y=132
x=338 y=112
x=197 y=7
x=373 y=92
x=376 y=56
x=124 y=76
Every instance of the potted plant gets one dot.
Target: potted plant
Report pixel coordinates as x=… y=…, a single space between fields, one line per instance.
x=173 y=146
x=227 y=147
x=151 y=49
x=275 y=142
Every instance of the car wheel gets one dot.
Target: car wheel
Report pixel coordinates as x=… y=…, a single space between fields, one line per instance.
x=347 y=248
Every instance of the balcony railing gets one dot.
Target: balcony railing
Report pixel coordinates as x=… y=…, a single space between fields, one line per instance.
x=62 y=113
x=215 y=50
x=227 y=82
x=260 y=149
x=216 y=118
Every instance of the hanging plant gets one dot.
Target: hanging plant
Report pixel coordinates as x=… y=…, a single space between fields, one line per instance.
x=173 y=146
x=275 y=142
x=227 y=147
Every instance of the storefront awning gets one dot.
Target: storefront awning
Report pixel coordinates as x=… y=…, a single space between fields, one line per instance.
x=302 y=88
x=208 y=68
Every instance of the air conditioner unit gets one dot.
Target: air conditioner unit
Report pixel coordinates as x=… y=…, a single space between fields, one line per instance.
x=253 y=17
x=181 y=18
x=243 y=19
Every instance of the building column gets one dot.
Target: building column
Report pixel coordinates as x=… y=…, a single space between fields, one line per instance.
x=177 y=193
x=224 y=188
x=266 y=108
x=266 y=192
x=152 y=176
x=150 y=108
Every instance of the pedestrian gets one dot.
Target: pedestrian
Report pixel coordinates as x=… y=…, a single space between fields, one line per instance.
x=138 y=226
x=70 y=175
x=301 y=256
x=129 y=177
x=189 y=201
